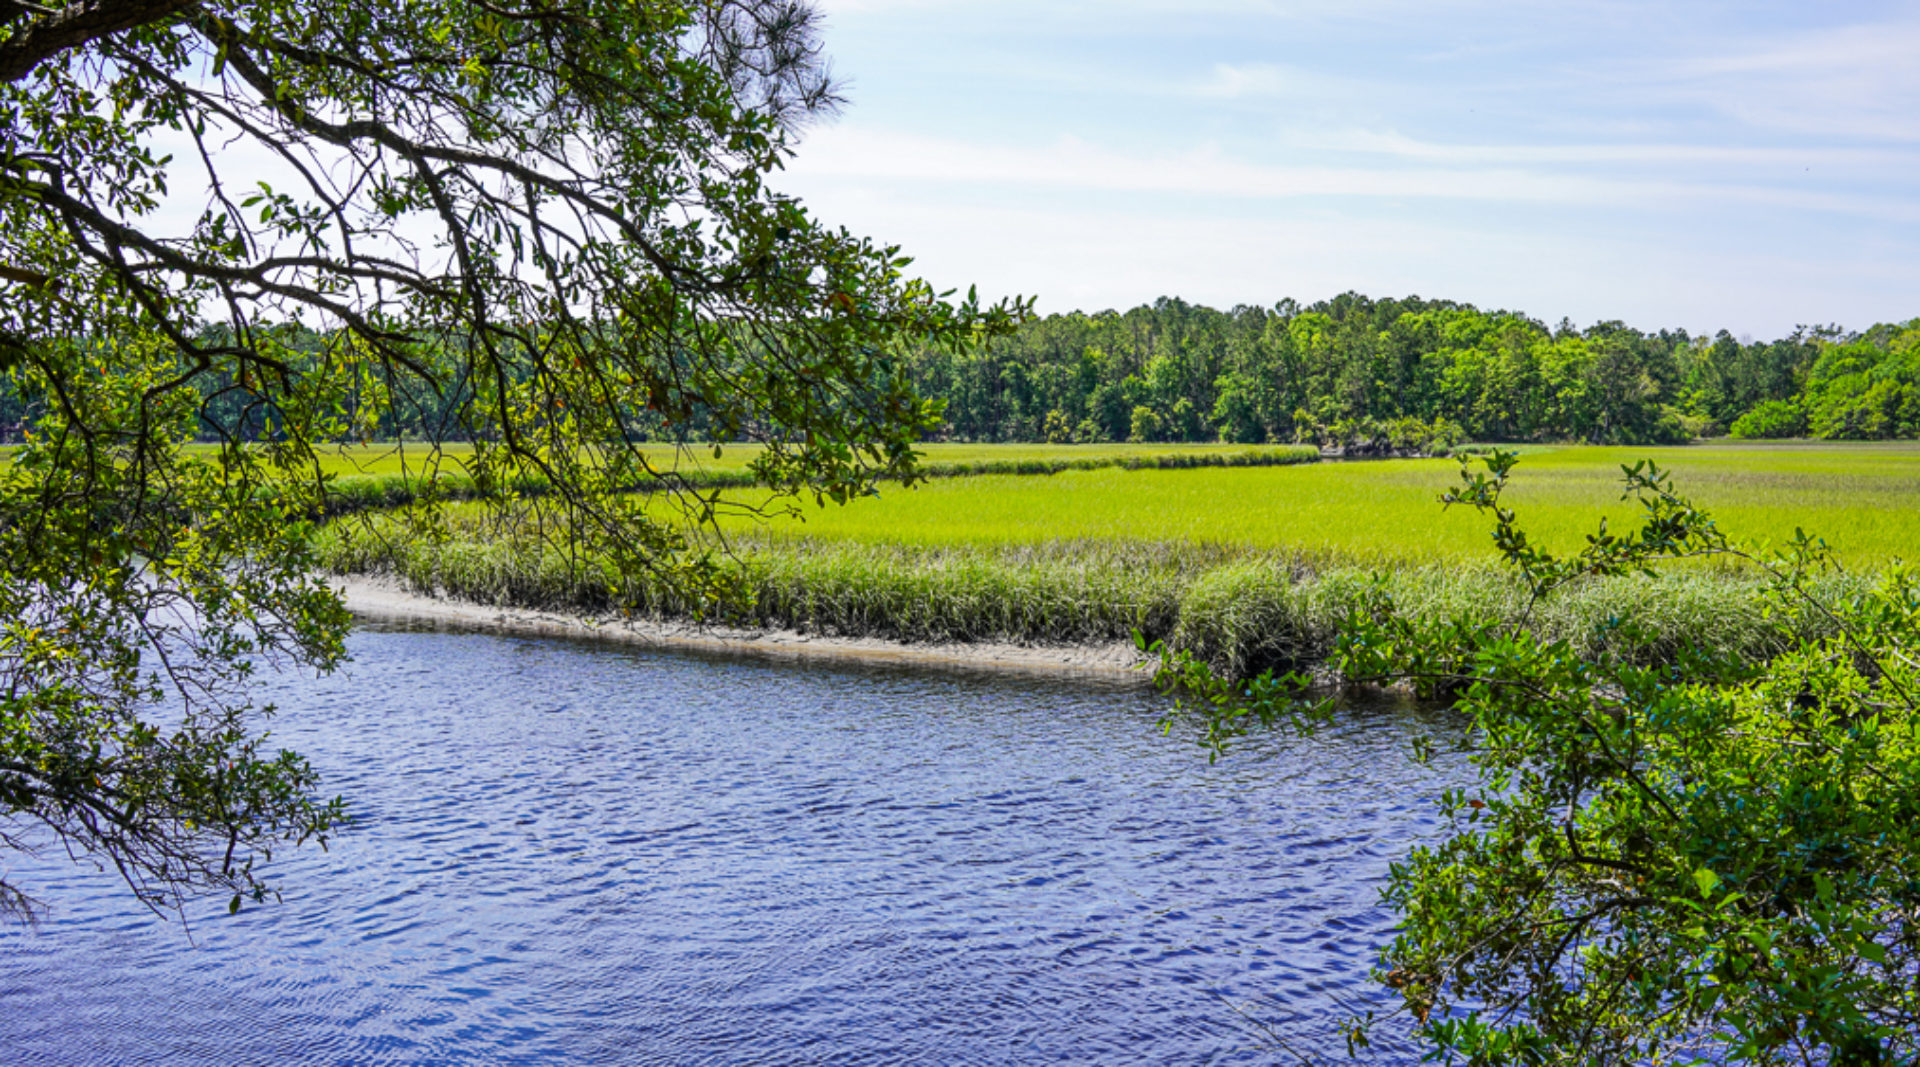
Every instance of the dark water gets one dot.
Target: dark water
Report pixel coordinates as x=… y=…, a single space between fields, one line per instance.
x=581 y=854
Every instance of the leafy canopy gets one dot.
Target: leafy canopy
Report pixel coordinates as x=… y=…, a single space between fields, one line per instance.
x=1699 y=860
x=544 y=228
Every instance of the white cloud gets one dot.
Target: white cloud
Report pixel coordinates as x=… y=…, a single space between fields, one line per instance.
x=850 y=151
x=1397 y=145
x=1701 y=165
x=1882 y=48
x=1858 y=81
x=1104 y=257
x=1276 y=81
x=1279 y=10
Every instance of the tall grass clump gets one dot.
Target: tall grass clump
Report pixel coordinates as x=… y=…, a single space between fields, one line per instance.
x=1057 y=595
x=1261 y=614
x=1240 y=612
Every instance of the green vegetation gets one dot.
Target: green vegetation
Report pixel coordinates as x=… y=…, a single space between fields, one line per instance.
x=1242 y=612
x=1369 y=375
x=372 y=477
x=1707 y=861
x=431 y=263
x=696 y=461
x=1246 y=568
x=1384 y=374
x=1696 y=820
x=1864 y=498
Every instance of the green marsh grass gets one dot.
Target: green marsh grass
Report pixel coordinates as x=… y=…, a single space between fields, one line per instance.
x=392 y=478
x=1863 y=499
x=1243 y=612
x=389 y=458
x=1248 y=567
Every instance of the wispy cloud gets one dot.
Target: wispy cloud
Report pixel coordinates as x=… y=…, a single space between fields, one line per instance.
x=1096 y=256
x=1858 y=82
x=1400 y=146
x=1276 y=81
x=849 y=151
x=1647 y=156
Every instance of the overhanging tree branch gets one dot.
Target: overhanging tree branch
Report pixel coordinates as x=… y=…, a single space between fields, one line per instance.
x=53 y=32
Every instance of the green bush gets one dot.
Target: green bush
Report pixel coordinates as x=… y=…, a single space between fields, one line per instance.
x=1698 y=427
x=1707 y=855
x=1771 y=419
x=1146 y=425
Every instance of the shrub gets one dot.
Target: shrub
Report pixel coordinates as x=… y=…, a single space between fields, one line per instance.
x=1184 y=425
x=1146 y=425
x=1713 y=860
x=1698 y=426
x=1771 y=419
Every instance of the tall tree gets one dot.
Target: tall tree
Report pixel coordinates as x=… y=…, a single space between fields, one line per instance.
x=542 y=227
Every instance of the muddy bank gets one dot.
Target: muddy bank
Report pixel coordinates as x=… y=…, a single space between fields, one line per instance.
x=1111 y=663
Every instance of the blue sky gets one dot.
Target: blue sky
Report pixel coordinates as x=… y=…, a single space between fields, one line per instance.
x=1697 y=164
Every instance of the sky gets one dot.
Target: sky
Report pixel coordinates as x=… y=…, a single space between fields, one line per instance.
x=1692 y=164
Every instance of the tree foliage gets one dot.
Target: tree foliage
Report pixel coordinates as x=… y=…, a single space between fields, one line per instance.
x=1346 y=371
x=546 y=229
x=1706 y=859
x=1868 y=388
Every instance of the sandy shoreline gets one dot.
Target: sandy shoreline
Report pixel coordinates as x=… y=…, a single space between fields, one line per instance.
x=1117 y=663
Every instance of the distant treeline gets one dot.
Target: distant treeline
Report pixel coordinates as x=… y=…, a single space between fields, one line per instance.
x=1351 y=371
x=1356 y=371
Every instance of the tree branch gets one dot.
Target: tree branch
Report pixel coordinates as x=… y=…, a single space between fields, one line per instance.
x=71 y=27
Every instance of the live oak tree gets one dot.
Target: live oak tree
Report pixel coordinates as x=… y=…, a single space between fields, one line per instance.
x=544 y=228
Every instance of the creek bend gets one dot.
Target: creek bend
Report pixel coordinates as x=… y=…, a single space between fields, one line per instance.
x=573 y=852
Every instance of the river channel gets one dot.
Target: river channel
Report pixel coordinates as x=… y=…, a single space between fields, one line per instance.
x=575 y=853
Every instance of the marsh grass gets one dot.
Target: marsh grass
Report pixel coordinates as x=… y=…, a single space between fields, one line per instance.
x=1864 y=499
x=388 y=479
x=1241 y=612
x=1247 y=568
x=696 y=461
x=1255 y=615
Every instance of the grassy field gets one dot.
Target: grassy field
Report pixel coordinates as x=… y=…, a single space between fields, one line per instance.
x=1249 y=567
x=372 y=477
x=386 y=459
x=1863 y=498
x=1247 y=556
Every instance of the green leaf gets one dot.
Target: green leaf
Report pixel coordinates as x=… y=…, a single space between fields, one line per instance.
x=1706 y=880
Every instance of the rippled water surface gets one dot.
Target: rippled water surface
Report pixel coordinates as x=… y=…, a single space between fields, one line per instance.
x=571 y=853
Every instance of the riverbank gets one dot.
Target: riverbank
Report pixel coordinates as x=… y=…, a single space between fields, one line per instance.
x=1247 y=569
x=1116 y=663
x=1064 y=609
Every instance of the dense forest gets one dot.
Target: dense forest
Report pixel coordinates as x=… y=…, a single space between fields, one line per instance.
x=1407 y=373
x=1352 y=372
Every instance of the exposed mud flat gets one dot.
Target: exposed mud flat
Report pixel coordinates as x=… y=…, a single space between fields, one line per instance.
x=1115 y=663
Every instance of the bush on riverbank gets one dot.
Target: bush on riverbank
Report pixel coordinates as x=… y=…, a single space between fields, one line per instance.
x=1712 y=862
x=1259 y=614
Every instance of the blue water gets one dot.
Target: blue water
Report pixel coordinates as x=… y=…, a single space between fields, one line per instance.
x=584 y=854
